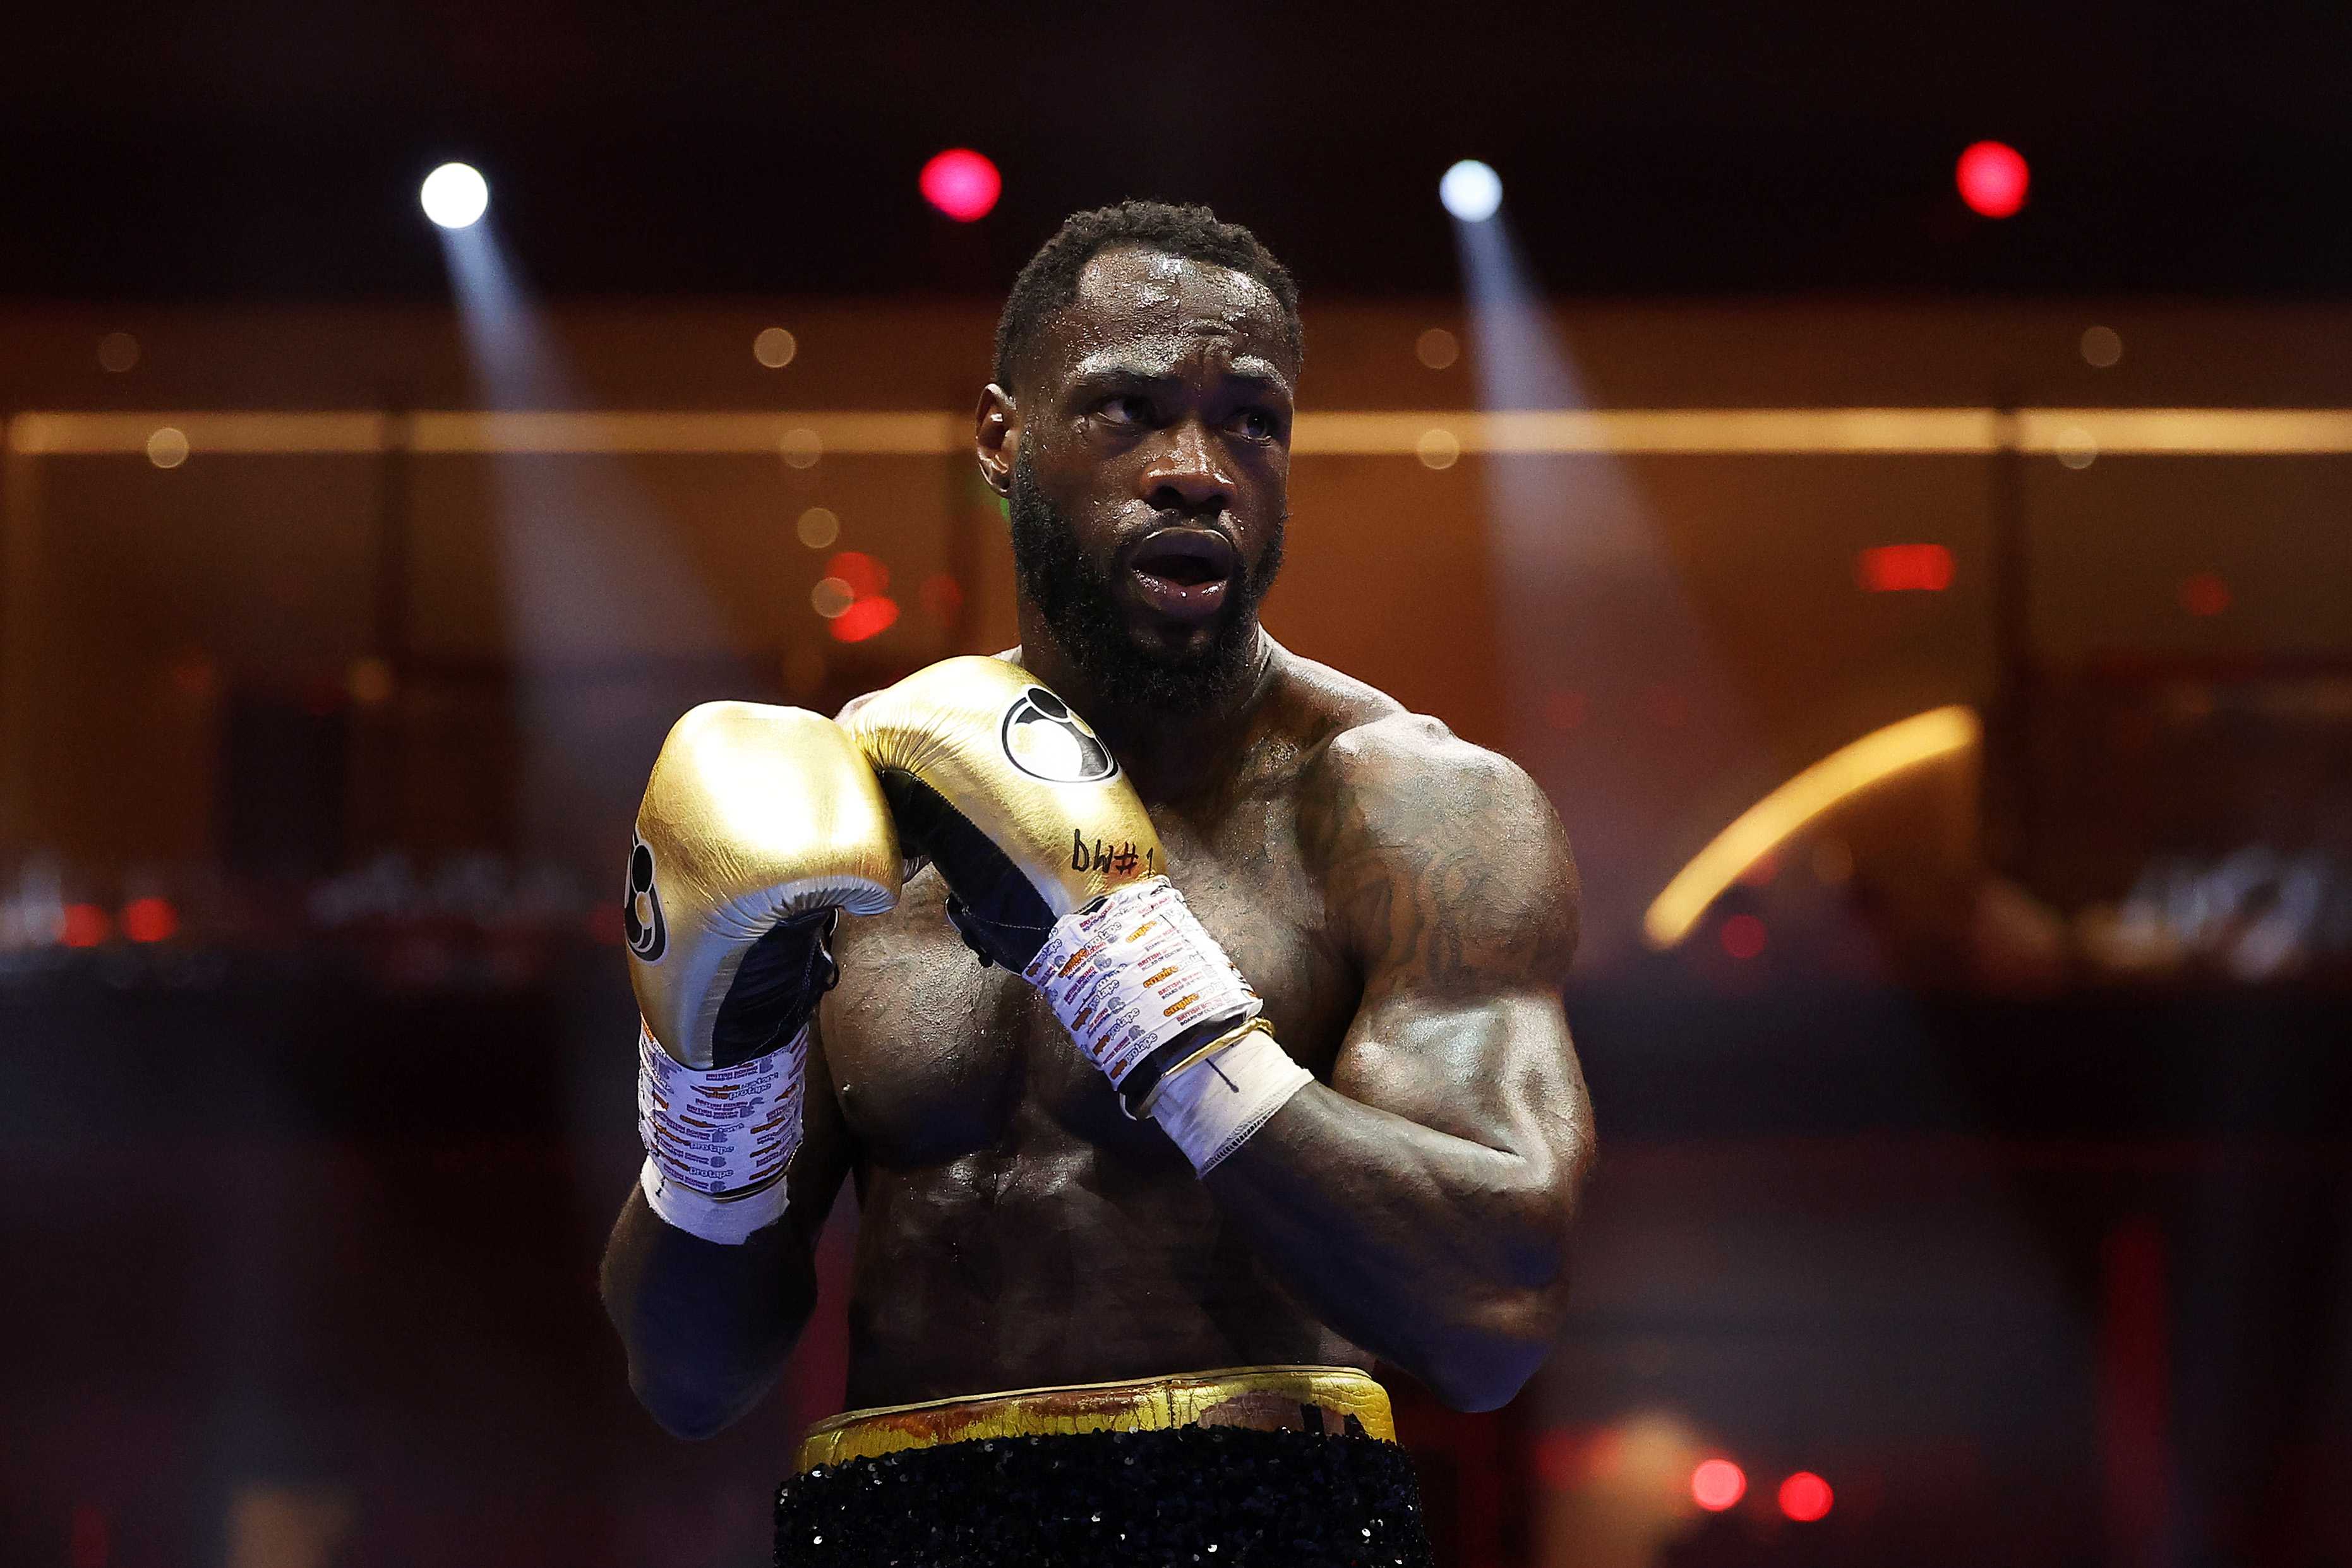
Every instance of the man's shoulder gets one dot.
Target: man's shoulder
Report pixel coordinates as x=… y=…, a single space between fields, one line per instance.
x=1433 y=851
x=1375 y=756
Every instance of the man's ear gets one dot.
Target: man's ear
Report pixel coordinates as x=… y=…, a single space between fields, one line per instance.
x=996 y=437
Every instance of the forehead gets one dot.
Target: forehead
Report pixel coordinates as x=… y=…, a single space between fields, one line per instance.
x=1155 y=309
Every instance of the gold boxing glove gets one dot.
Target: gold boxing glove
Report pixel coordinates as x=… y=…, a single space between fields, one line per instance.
x=760 y=825
x=994 y=779
x=1051 y=866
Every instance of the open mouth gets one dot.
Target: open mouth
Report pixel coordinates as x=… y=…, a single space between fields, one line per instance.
x=1183 y=573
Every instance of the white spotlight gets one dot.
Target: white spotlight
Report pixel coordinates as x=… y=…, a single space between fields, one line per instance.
x=1471 y=191
x=455 y=196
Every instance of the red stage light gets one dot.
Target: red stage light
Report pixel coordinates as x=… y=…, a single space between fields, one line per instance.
x=2205 y=594
x=1717 y=1484
x=1743 y=936
x=867 y=618
x=1992 y=177
x=150 y=920
x=86 y=926
x=1901 y=568
x=963 y=184
x=864 y=574
x=1805 y=1497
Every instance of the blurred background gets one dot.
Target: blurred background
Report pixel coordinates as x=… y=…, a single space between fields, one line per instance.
x=1883 y=471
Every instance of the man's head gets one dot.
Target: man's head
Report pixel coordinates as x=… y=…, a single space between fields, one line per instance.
x=1140 y=425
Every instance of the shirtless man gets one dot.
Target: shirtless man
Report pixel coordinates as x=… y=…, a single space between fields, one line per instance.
x=1403 y=904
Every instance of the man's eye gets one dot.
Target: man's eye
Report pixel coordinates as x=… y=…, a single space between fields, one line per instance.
x=1257 y=424
x=1127 y=410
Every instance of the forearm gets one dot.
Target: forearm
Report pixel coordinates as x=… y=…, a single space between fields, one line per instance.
x=1442 y=1255
x=706 y=1327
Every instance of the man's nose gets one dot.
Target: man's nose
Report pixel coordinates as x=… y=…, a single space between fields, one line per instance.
x=1186 y=474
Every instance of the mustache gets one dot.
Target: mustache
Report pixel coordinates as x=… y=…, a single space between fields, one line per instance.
x=1131 y=541
x=1079 y=592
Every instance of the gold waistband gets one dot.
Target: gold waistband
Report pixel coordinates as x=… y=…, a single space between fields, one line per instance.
x=1328 y=1400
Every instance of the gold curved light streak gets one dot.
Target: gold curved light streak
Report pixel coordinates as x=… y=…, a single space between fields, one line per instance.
x=1779 y=816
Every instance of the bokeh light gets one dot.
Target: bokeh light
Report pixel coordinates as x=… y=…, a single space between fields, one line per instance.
x=1437 y=347
x=963 y=184
x=774 y=347
x=1904 y=569
x=864 y=575
x=2077 y=447
x=1805 y=1497
x=168 y=447
x=455 y=196
x=1471 y=191
x=150 y=919
x=867 y=618
x=831 y=597
x=1717 y=1484
x=117 y=353
x=86 y=926
x=1992 y=178
x=802 y=448
x=818 y=528
x=1743 y=937
x=2102 y=347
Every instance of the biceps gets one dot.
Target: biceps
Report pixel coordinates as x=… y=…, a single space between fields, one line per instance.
x=1498 y=1070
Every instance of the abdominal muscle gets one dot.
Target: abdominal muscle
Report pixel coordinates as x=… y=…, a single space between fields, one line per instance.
x=1056 y=1264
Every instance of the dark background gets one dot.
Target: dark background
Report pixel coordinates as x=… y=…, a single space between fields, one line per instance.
x=244 y=150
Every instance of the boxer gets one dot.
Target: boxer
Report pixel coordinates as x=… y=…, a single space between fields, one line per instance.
x=1195 y=1042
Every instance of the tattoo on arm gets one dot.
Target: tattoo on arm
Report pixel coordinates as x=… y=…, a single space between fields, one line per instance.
x=1443 y=864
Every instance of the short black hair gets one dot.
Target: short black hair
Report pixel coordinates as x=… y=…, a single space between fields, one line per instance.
x=1050 y=278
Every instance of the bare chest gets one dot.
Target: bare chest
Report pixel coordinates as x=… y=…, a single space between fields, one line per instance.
x=934 y=1057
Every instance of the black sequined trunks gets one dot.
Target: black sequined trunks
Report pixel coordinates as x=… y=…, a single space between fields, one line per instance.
x=1210 y=1495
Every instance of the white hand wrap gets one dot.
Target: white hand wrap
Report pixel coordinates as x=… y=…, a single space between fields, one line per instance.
x=1212 y=1105
x=1134 y=971
x=717 y=1142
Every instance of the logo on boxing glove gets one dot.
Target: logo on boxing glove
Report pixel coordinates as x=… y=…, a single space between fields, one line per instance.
x=1046 y=740
x=641 y=910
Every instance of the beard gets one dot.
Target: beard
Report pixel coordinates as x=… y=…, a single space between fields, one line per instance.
x=1078 y=597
